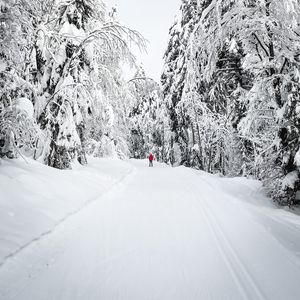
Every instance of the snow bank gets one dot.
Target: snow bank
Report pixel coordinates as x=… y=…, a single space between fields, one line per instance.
x=35 y=198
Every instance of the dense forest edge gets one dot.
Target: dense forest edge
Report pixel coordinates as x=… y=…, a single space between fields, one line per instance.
x=228 y=102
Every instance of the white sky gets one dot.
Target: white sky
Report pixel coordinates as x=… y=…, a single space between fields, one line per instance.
x=152 y=18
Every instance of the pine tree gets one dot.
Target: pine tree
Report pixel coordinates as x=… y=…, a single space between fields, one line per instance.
x=168 y=78
x=64 y=79
x=174 y=78
x=267 y=34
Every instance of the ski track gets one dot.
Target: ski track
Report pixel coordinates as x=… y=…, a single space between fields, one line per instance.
x=157 y=234
x=227 y=247
x=232 y=259
x=291 y=231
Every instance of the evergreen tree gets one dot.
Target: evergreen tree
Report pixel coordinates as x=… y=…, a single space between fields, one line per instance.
x=65 y=76
x=232 y=93
x=267 y=35
x=173 y=80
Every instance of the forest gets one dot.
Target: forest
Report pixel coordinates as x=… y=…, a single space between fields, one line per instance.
x=228 y=102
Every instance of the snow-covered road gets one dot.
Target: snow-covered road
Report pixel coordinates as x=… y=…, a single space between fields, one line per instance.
x=164 y=233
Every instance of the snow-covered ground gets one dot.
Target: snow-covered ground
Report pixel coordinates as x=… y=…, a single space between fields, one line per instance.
x=35 y=198
x=147 y=233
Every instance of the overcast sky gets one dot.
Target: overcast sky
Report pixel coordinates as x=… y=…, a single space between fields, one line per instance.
x=152 y=18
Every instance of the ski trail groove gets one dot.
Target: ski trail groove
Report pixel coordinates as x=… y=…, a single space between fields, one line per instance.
x=227 y=251
x=237 y=260
x=277 y=221
x=224 y=255
x=230 y=255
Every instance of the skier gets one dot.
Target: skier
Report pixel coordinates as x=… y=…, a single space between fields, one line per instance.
x=151 y=160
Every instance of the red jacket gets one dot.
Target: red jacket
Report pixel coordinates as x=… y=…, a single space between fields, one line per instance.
x=151 y=157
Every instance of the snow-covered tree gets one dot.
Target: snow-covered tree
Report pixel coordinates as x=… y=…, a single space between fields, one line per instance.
x=109 y=124
x=268 y=34
x=65 y=57
x=174 y=77
x=64 y=79
x=16 y=30
x=232 y=92
x=83 y=50
x=146 y=117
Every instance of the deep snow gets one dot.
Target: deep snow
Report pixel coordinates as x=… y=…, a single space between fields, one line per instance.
x=150 y=233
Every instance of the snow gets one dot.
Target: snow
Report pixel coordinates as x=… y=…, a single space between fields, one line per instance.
x=73 y=33
x=67 y=129
x=25 y=105
x=37 y=197
x=290 y=179
x=160 y=233
x=196 y=148
x=3 y=64
x=233 y=47
x=109 y=115
x=297 y=158
x=67 y=82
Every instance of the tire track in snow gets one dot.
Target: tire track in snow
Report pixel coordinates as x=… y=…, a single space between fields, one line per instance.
x=231 y=258
x=67 y=217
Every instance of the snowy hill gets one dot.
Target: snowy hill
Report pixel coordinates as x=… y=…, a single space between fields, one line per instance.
x=122 y=230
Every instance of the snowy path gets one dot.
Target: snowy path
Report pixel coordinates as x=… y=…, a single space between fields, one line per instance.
x=163 y=234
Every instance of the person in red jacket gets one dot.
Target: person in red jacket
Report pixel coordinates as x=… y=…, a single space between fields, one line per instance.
x=151 y=157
